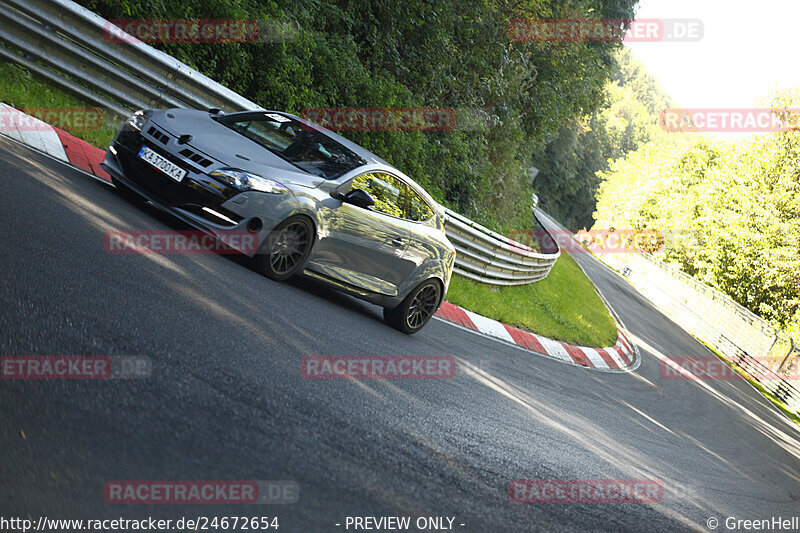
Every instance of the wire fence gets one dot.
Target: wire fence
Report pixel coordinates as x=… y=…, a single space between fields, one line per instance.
x=766 y=354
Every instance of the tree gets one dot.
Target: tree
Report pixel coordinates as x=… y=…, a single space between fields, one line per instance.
x=732 y=211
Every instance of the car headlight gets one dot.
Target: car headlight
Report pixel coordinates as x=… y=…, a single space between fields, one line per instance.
x=137 y=120
x=247 y=181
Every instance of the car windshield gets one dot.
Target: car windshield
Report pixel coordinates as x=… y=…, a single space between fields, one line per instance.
x=297 y=143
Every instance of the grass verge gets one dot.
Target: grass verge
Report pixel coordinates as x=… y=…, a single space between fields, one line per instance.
x=563 y=306
x=20 y=89
x=760 y=388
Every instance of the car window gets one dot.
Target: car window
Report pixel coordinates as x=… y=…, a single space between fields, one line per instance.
x=387 y=191
x=416 y=208
x=299 y=144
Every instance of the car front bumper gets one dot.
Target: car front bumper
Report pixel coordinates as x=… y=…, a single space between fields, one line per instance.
x=198 y=199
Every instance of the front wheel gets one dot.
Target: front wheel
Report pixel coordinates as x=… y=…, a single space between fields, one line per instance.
x=416 y=309
x=286 y=248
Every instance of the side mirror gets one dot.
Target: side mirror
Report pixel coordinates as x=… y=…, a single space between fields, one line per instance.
x=358 y=197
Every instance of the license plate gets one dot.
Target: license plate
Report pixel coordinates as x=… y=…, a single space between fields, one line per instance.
x=163 y=164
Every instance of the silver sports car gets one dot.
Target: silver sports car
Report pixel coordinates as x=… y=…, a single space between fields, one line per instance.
x=317 y=204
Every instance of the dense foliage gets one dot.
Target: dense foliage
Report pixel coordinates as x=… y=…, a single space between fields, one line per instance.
x=511 y=97
x=731 y=212
x=567 y=180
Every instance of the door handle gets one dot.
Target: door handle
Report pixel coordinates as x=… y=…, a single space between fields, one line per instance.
x=397 y=241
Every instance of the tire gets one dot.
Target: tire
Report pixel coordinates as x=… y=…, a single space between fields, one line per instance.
x=286 y=249
x=125 y=192
x=416 y=309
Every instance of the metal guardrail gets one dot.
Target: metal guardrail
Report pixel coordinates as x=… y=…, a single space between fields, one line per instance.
x=486 y=256
x=72 y=42
x=767 y=355
x=69 y=45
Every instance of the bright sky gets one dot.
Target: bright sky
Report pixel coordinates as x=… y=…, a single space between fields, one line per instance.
x=747 y=49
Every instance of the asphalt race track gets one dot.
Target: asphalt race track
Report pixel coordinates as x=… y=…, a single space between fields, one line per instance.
x=226 y=399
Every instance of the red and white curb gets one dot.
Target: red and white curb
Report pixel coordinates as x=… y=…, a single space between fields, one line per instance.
x=61 y=145
x=55 y=142
x=621 y=356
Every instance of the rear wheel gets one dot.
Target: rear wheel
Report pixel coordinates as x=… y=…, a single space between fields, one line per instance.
x=416 y=308
x=285 y=251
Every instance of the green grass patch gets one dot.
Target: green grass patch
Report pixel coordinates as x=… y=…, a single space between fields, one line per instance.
x=563 y=306
x=20 y=89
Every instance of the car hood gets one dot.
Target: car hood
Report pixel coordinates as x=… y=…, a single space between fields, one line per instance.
x=222 y=144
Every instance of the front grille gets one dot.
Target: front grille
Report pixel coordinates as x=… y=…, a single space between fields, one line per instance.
x=162 y=186
x=177 y=160
x=160 y=137
x=188 y=194
x=155 y=182
x=197 y=158
x=188 y=153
